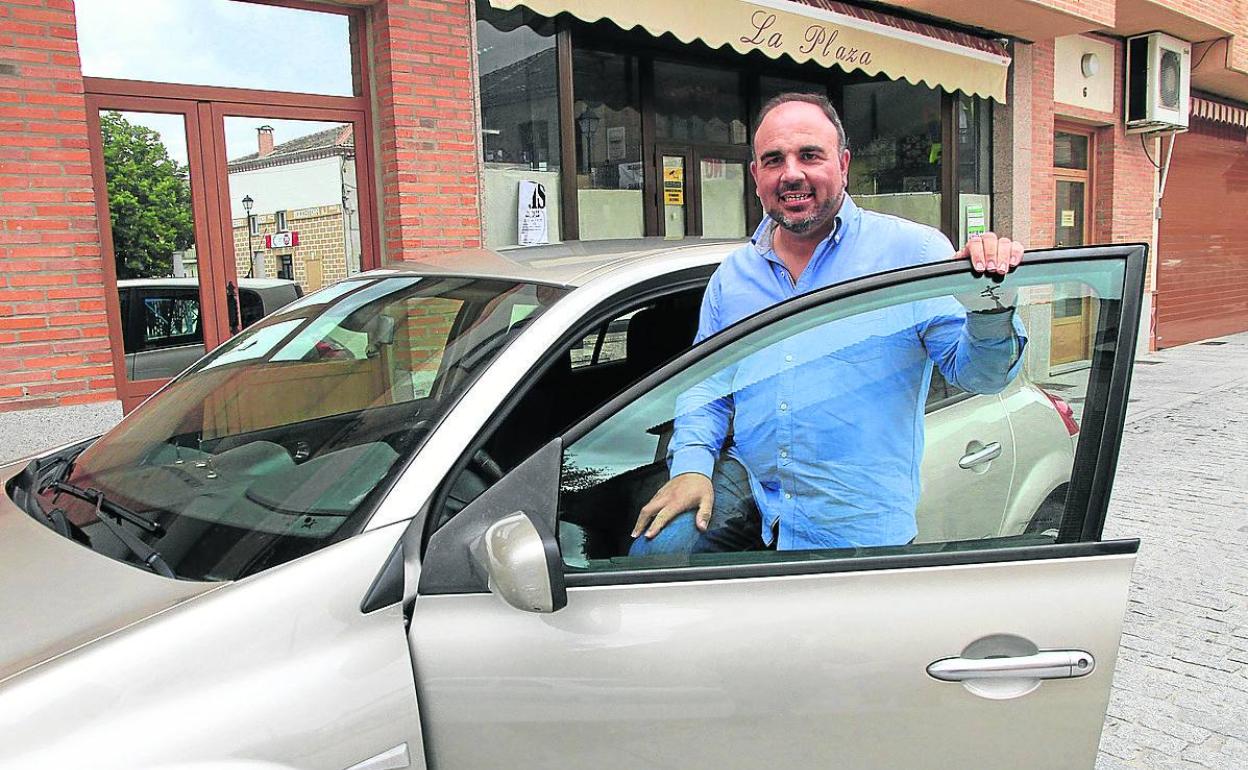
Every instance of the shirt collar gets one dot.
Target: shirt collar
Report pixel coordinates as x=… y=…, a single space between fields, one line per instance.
x=845 y=218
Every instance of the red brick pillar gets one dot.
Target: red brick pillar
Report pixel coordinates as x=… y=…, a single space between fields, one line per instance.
x=54 y=346
x=425 y=116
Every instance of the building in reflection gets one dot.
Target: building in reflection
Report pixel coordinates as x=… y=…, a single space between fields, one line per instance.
x=304 y=225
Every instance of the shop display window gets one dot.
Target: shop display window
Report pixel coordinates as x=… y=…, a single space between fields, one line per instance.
x=609 y=170
x=894 y=131
x=519 y=120
x=698 y=105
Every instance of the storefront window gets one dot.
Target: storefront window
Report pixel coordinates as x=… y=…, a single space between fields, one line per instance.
x=698 y=105
x=609 y=173
x=769 y=88
x=974 y=131
x=519 y=119
x=894 y=133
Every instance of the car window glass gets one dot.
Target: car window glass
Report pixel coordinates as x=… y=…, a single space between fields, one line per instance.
x=171 y=319
x=277 y=443
x=575 y=384
x=251 y=305
x=822 y=444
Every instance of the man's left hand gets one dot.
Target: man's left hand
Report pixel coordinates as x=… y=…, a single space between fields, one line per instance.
x=990 y=254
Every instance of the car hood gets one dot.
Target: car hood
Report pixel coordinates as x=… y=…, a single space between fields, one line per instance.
x=57 y=595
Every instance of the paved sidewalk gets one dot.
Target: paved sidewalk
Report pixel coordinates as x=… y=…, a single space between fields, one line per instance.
x=1180 y=695
x=26 y=432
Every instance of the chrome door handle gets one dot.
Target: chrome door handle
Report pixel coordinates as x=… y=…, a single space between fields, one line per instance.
x=1049 y=664
x=980 y=456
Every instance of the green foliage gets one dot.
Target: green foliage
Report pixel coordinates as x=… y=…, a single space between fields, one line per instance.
x=149 y=199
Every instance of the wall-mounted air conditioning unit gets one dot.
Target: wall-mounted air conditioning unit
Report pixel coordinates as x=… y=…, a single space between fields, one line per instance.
x=1159 y=82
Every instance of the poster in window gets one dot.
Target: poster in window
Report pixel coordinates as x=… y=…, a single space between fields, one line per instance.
x=616 y=149
x=533 y=223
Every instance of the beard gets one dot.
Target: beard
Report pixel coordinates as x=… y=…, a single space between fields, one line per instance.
x=802 y=225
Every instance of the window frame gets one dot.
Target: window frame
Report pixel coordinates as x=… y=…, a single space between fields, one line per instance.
x=1091 y=481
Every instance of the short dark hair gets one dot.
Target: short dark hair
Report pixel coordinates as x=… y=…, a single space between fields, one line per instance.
x=819 y=100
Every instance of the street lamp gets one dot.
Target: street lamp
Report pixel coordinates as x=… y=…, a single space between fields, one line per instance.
x=588 y=123
x=248 y=202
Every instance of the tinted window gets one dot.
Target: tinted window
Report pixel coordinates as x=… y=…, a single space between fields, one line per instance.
x=171 y=318
x=252 y=306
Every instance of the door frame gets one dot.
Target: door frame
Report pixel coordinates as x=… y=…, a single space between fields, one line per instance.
x=694 y=154
x=1086 y=177
x=210 y=279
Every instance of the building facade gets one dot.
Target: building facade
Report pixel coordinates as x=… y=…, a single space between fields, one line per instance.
x=364 y=132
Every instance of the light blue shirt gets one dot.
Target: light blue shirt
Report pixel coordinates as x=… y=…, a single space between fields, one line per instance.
x=829 y=422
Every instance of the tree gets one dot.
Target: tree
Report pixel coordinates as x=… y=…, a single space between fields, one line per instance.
x=149 y=199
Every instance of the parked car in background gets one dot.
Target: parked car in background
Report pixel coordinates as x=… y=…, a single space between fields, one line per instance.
x=160 y=319
x=388 y=526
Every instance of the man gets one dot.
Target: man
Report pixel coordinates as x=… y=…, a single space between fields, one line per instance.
x=816 y=477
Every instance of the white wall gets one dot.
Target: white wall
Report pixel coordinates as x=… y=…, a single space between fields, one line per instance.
x=292 y=186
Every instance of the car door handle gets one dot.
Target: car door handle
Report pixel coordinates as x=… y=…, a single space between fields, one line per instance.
x=1049 y=664
x=980 y=456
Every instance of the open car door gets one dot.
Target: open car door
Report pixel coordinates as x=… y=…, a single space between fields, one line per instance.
x=538 y=641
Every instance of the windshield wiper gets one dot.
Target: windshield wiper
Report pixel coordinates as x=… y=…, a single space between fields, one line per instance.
x=104 y=509
x=104 y=505
x=150 y=557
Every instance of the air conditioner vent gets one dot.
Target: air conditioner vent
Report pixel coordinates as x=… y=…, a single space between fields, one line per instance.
x=1158 y=84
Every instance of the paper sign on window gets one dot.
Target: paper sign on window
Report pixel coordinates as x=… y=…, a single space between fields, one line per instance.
x=533 y=223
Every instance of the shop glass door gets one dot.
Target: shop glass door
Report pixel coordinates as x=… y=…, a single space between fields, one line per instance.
x=170 y=304
x=291 y=204
x=722 y=196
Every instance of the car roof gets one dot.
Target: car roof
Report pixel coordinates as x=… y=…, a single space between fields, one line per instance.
x=246 y=283
x=571 y=264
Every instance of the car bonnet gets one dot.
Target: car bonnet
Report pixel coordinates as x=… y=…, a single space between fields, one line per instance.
x=57 y=595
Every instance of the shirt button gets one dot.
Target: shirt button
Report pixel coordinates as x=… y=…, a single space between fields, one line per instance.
x=784 y=406
x=788 y=358
x=783 y=454
x=788 y=495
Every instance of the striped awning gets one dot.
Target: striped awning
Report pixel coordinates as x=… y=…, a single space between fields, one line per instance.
x=827 y=32
x=1217 y=112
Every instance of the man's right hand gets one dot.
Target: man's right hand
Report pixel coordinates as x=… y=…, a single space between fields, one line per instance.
x=683 y=493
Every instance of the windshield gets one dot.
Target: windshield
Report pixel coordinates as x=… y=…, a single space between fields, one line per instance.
x=280 y=441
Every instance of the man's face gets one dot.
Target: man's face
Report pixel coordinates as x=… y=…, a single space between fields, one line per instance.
x=799 y=168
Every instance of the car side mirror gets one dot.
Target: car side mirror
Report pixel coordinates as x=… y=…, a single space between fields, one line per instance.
x=521 y=557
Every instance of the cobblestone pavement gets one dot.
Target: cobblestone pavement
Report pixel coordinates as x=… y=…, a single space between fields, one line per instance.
x=1180 y=696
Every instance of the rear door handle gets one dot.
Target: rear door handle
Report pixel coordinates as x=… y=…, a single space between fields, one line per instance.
x=1049 y=664
x=980 y=456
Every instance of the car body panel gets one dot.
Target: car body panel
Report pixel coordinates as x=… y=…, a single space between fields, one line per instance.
x=980 y=494
x=281 y=667
x=1045 y=452
x=809 y=671
x=57 y=595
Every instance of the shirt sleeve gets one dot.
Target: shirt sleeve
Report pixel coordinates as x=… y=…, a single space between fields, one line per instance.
x=704 y=411
x=977 y=352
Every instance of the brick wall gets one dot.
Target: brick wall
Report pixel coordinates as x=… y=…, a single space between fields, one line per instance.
x=427 y=123
x=54 y=345
x=321 y=239
x=1123 y=175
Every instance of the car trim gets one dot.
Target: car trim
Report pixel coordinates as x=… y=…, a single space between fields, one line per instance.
x=854 y=563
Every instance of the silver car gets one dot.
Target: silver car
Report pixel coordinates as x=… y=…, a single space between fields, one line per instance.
x=388 y=526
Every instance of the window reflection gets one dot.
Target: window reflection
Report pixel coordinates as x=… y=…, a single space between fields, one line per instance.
x=698 y=104
x=296 y=179
x=894 y=131
x=519 y=118
x=234 y=44
x=608 y=145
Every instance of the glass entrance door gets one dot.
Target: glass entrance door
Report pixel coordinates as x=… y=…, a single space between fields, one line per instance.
x=704 y=192
x=170 y=304
x=722 y=194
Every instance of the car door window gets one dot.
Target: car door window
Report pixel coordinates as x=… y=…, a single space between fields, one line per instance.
x=820 y=430
x=171 y=319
